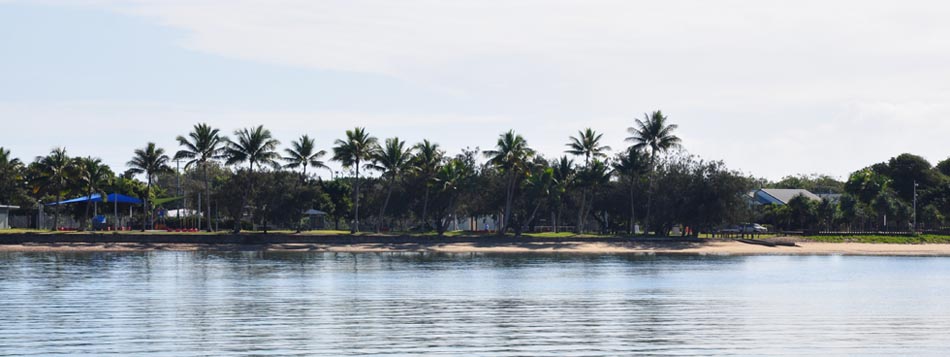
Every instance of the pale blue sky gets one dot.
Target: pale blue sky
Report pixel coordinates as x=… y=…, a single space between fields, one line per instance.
x=772 y=88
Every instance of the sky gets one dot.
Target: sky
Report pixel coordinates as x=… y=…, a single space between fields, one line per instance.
x=772 y=88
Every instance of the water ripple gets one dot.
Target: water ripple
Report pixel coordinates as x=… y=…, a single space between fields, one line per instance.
x=331 y=304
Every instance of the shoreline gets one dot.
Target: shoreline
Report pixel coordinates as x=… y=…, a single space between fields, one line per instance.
x=712 y=247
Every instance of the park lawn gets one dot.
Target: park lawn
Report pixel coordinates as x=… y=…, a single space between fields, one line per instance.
x=919 y=239
x=22 y=231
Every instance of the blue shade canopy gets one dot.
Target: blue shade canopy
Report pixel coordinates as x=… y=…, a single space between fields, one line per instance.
x=112 y=197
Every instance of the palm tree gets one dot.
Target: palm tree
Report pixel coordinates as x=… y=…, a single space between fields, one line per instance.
x=357 y=148
x=450 y=179
x=564 y=174
x=10 y=171
x=150 y=160
x=654 y=133
x=301 y=153
x=587 y=144
x=427 y=162
x=630 y=167
x=391 y=159
x=541 y=185
x=6 y=161
x=202 y=146
x=510 y=156
x=597 y=175
x=256 y=146
x=590 y=177
x=55 y=173
x=92 y=175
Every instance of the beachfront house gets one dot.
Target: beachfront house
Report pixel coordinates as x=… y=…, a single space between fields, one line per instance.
x=5 y=215
x=780 y=196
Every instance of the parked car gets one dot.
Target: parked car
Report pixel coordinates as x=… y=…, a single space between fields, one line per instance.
x=728 y=229
x=752 y=228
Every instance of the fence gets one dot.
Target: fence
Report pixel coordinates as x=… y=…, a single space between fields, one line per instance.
x=866 y=233
x=45 y=222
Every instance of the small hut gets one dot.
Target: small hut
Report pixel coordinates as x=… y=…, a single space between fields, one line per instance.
x=317 y=218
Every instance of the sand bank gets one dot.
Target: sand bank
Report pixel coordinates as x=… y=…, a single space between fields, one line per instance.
x=580 y=247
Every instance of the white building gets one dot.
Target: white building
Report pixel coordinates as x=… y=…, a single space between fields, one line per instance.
x=5 y=215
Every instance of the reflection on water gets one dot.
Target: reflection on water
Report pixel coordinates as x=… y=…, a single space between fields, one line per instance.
x=187 y=303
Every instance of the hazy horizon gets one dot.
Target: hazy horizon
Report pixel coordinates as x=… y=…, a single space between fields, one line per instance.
x=771 y=88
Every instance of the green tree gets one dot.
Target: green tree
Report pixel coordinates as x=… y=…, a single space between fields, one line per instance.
x=592 y=177
x=699 y=194
x=866 y=184
x=426 y=163
x=339 y=192
x=55 y=174
x=943 y=167
x=203 y=145
x=303 y=153
x=539 y=186
x=510 y=156
x=12 y=177
x=281 y=198
x=906 y=169
x=356 y=149
x=814 y=183
x=563 y=175
x=654 y=133
x=630 y=167
x=149 y=160
x=587 y=144
x=392 y=159
x=451 y=179
x=255 y=146
x=92 y=176
x=804 y=210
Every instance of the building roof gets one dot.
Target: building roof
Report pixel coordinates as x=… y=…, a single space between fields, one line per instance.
x=112 y=197
x=782 y=195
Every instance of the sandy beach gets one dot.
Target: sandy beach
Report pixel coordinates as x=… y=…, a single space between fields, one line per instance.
x=704 y=248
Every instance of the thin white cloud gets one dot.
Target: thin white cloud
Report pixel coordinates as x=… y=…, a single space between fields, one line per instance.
x=773 y=87
x=112 y=130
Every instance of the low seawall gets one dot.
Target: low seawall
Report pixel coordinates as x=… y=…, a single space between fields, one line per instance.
x=257 y=238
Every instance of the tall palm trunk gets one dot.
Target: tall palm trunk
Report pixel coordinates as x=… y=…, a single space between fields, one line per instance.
x=147 y=213
x=533 y=213
x=508 y=198
x=425 y=209
x=244 y=200
x=207 y=194
x=582 y=211
x=59 y=198
x=85 y=216
x=633 y=212
x=356 y=202
x=588 y=206
x=382 y=210
x=650 y=189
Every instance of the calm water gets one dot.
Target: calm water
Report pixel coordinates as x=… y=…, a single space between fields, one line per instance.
x=185 y=303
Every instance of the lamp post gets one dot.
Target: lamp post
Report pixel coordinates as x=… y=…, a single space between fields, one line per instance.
x=915 y=206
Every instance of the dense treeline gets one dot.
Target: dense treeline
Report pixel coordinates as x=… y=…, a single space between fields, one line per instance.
x=245 y=181
x=886 y=196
